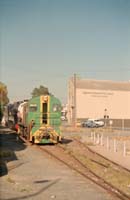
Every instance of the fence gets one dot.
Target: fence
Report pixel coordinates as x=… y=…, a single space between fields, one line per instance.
x=115 y=144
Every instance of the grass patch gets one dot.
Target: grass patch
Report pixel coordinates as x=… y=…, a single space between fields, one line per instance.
x=24 y=190
x=90 y=143
x=10 y=180
x=118 y=178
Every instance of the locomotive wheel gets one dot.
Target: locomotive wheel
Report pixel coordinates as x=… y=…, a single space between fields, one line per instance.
x=57 y=139
x=33 y=140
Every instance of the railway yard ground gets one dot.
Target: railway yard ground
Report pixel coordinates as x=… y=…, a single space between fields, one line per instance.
x=26 y=172
x=113 y=144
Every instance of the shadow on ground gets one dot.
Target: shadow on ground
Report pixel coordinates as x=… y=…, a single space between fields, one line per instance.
x=51 y=183
x=9 y=144
x=66 y=141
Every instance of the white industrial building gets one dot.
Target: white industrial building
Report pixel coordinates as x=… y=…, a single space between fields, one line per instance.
x=104 y=99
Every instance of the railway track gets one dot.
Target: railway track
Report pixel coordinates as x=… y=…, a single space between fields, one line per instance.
x=79 y=158
x=112 y=173
x=101 y=156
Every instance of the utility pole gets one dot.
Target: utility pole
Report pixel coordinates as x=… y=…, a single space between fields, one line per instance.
x=74 y=109
x=1 y=104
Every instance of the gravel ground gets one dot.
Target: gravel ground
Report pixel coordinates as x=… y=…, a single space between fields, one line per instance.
x=115 y=151
x=27 y=173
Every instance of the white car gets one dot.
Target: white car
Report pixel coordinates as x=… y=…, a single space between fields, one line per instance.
x=91 y=123
x=99 y=122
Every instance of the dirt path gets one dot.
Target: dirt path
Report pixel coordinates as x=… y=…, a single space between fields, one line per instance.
x=30 y=174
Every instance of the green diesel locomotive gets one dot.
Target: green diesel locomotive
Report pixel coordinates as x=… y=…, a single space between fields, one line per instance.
x=40 y=119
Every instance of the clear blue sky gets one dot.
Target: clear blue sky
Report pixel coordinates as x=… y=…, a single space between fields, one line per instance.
x=44 y=42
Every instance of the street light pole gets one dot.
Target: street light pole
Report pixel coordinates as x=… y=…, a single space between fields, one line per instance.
x=74 y=110
x=105 y=116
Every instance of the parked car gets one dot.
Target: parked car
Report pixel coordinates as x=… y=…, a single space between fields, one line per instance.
x=92 y=123
x=89 y=124
x=99 y=123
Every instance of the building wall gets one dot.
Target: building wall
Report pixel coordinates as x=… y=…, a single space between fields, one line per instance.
x=89 y=98
x=92 y=103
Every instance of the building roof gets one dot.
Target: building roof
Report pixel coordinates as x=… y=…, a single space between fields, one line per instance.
x=102 y=84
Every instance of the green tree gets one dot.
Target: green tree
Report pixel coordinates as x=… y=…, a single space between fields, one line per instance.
x=3 y=94
x=40 y=91
x=3 y=98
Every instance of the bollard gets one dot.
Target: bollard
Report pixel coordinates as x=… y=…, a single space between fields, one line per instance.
x=108 y=143
x=101 y=140
x=124 y=149
x=114 y=143
x=94 y=137
x=97 y=139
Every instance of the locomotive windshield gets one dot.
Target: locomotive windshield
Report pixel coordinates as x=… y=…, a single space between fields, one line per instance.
x=44 y=115
x=56 y=108
x=33 y=107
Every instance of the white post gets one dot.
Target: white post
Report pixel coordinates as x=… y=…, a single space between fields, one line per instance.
x=101 y=140
x=124 y=148
x=107 y=142
x=94 y=137
x=115 y=149
x=97 y=139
